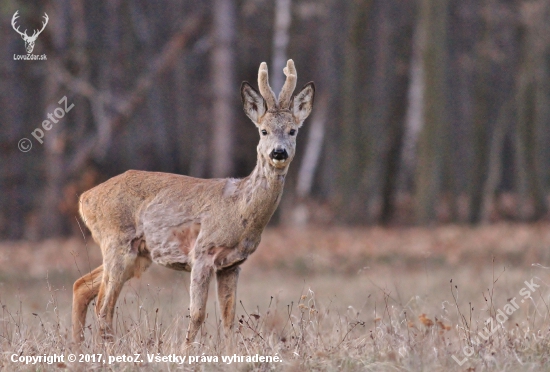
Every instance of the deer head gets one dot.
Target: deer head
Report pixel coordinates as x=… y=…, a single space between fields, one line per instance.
x=29 y=40
x=278 y=120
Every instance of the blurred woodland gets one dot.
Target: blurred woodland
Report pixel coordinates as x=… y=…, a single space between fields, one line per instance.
x=426 y=111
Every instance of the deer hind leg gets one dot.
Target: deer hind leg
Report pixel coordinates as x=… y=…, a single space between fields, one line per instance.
x=84 y=291
x=201 y=274
x=226 y=281
x=117 y=269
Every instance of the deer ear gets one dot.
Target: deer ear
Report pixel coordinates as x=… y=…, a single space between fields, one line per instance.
x=253 y=103
x=302 y=103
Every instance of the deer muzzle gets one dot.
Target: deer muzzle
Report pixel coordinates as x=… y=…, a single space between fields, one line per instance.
x=278 y=155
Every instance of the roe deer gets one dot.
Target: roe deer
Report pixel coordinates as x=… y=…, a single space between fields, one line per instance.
x=205 y=226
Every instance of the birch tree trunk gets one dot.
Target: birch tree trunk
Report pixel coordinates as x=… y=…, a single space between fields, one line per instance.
x=283 y=18
x=415 y=107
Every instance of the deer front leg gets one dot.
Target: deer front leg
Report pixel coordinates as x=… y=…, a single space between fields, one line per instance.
x=226 y=281
x=200 y=280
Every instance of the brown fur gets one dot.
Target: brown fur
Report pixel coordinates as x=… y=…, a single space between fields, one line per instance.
x=204 y=226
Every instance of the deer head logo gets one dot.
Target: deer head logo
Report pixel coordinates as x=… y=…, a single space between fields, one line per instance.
x=29 y=40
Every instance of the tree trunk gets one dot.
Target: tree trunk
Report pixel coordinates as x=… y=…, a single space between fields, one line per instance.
x=530 y=186
x=414 y=116
x=223 y=67
x=314 y=145
x=51 y=221
x=494 y=174
x=397 y=109
x=480 y=133
x=283 y=17
x=433 y=17
x=352 y=196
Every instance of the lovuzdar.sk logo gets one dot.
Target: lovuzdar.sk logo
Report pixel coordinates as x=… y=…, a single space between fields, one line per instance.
x=29 y=40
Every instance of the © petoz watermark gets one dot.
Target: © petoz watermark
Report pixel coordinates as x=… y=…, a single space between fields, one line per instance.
x=25 y=144
x=501 y=317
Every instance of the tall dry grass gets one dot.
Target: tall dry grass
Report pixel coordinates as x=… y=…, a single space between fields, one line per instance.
x=306 y=299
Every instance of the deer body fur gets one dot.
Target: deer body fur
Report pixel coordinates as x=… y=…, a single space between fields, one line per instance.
x=205 y=226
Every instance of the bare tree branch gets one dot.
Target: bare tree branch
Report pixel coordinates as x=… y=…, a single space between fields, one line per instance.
x=123 y=108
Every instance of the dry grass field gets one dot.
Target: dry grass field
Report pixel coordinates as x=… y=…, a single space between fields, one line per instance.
x=322 y=299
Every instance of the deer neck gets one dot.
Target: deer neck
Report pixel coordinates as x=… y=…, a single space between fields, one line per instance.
x=262 y=190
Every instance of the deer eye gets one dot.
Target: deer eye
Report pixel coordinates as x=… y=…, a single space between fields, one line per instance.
x=264 y=132
x=292 y=132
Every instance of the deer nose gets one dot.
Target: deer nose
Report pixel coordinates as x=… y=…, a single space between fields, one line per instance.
x=279 y=154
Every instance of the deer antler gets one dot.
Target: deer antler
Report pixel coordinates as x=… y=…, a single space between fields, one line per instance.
x=15 y=16
x=265 y=89
x=35 y=35
x=286 y=92
x=289 y=86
